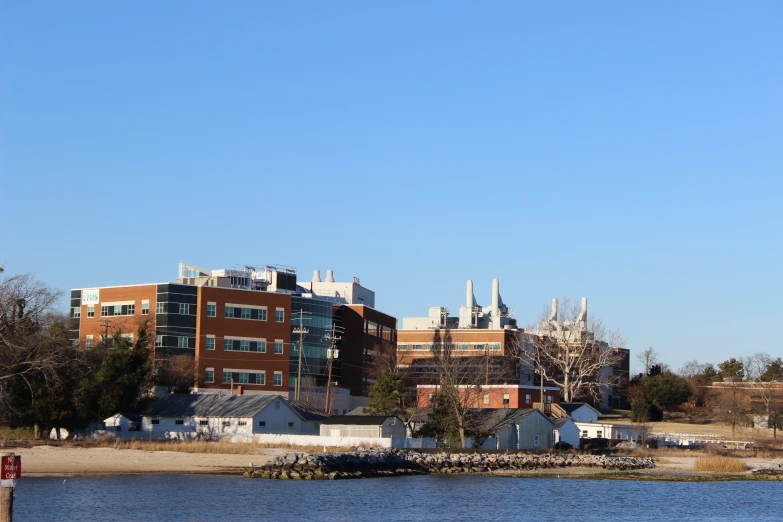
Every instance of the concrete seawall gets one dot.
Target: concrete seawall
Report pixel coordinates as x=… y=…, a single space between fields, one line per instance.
x=383 y=463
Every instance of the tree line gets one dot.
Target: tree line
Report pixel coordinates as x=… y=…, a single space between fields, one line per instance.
x=48 y=381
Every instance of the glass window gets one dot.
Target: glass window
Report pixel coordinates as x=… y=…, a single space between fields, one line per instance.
x=278 y=347
x=261 y=347
x=527 y=399
x=117 y=309
x=278 y=379
x=245 y=313
x=229 y=311
x=104 y=311
x=89 y=341
x=211 y=310
x=535 y=440
x=228 y=344
x=261 y=378
x=244 y=346
x=183 y=309
x=494 y=346
x=279 y=316
x=244 y=378
x=131 y=309
x=203 y=423
x=145 y=308
x=418 y=346
x=209 y=375
x=210 y=343
x=182 y=341
x=290 y=424
x=463 y=346
x=486 y=398
x=227 y=377
x=402 y=347
x=76 y=312
x=158 y=308
x=262 y=314
x=91 y=311
x=155 y=421
x=179 y=422
x=158 y=341
x=261 y=424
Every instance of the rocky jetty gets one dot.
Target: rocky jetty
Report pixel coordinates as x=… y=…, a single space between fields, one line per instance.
x=391 y=462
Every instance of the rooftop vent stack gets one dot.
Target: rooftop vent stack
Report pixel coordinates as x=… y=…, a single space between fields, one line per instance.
x=583 y=312
x=329 y=276
x=316 y=276
x=239 y=390
x=470 y=300
x=495 y=297
x=273 y=284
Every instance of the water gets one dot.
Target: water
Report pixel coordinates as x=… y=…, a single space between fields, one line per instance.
x=210 y=498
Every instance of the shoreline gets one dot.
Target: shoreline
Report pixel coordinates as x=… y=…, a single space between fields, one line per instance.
x=58 y=462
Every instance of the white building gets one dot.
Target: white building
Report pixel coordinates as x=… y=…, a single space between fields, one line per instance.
x=567 y=431
x=363 y=426
x=349 y=292
x=212 y=416
x=603 y=430
x=580 y=412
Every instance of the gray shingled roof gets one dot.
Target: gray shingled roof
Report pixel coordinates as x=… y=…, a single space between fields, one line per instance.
x=495 y=420
x=559 y=422
x=209 y=405
x=571 y=407
x=306 y=411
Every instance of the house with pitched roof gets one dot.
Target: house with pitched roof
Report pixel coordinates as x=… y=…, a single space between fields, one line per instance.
x=212 y=416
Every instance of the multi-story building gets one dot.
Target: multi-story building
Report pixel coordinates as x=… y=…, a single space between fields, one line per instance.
x=244 y=328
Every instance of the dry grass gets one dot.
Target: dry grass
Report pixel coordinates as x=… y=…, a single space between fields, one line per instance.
x=721 y=464
x=202 y=446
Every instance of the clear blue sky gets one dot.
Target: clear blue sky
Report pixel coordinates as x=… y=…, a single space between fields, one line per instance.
x=627 y=153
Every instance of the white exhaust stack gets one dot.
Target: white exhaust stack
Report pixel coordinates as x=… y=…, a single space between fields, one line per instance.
x=583 y=312
x=470 y=299
x=316 y=276
x=495 y=297
x=329 y=276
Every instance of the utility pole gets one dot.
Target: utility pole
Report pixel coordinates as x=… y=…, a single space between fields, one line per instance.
x=301 y=330
x=486 y=354
x=331 y=354
x=106 y=324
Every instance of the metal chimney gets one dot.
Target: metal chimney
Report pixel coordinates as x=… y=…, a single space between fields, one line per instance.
x=329 y=276
x=316 y=276
x=470 y=300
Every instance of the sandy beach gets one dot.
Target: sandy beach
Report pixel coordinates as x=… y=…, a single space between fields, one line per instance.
x=48 y=461
x=51 y=461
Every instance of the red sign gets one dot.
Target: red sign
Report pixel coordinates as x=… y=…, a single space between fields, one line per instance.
x=11 y=468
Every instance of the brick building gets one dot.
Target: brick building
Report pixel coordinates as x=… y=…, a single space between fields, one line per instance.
x=244 y=327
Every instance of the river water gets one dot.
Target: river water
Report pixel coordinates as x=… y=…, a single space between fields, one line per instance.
x=174 y=498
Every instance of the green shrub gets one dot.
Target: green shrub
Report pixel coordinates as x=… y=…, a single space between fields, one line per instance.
x=643 y=410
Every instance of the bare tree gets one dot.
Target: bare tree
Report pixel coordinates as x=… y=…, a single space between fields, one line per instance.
x=731 y=405
x=571 y=349
x=460 y=378
x=766 y=392
x=179 y=373
x=647 y=358
x=33 y=339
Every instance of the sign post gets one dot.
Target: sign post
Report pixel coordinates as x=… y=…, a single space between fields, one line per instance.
x=10 y=470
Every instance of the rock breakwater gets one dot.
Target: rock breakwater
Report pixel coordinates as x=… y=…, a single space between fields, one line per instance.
x=385 y=462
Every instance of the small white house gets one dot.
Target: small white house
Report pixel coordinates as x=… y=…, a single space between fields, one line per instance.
x=363 y=426
x=567 y=431
x=580 y=412
x=513 y=429
x=213 y=416
x=603 y=430
x=123 y=422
